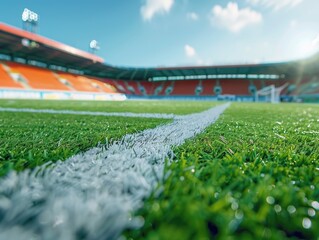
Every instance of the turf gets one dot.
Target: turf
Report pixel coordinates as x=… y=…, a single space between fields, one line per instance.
x=28 y=140
x=254 y=174
x=176 y=107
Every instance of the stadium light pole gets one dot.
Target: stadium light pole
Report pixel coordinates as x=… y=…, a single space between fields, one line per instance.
x=94 y=46
x=30 y=20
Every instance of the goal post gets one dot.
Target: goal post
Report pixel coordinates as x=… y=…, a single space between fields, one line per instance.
x=270 y=93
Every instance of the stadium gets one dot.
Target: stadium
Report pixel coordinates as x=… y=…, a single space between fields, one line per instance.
x=66 y=69
x=90 y=150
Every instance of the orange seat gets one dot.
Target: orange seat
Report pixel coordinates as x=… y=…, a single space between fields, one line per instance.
x=149 y=87
x=164 y=85
x=79 y=83
x=103 y=86
x=120 y=86
x=38 y=78
x=135 y=86
x=186 y=87
x=6 y=81
x=235 y=86
x=208 y=87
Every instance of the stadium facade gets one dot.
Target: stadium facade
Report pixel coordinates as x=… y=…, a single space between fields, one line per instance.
x=32 y=66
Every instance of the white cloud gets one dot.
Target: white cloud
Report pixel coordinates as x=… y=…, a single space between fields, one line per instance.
x=193 y=16
x=276 y=4
x=233 y=18
x=192 y=55
x=153 y=7
x=189 y=51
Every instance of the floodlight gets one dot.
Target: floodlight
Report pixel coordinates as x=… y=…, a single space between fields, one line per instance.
x=34 y=44
x=25 y=15
x=29 y=16
x=25 y=42
x=33 y=17
x=30 y=20
x=94 y=45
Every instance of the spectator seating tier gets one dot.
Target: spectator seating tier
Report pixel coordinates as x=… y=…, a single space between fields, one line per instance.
x=38 y=78
x=6 y=81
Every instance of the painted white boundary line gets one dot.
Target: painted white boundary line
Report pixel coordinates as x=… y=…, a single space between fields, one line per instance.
x=106 y=114
x=91 y=195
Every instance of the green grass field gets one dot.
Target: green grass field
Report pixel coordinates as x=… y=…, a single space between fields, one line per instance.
x=176 y=107
x=31 y=139
x=254 y=174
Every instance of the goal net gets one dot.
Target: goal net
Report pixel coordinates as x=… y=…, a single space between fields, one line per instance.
x=269 y=94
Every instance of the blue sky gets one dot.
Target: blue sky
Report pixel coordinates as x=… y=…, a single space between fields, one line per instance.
x=150 y=33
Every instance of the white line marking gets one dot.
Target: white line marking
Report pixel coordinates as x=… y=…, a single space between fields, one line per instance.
x=91 y=195
x=107 y=114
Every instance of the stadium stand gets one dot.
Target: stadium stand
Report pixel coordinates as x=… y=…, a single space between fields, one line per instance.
x=30 y=77
x=259 y=84
x=199 y=88
x=78 y=83
x=37 y=78
x=155 y=88
x=6 y=81
x=159 y=88
x=133 y=87
x=20 y=76
x=103 y=86
x=186 y=88
x=162 y=88
x=137 y=87
x=142 y=89
x=120 y=86
x=307 y=85
x=208 y=87
x=112 y=85
x=235 y=87
x=96 y=77
x=148 y=88
x=168 y=89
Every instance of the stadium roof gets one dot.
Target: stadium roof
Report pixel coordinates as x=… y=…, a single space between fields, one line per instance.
x=22 y=44
x=38 y=47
